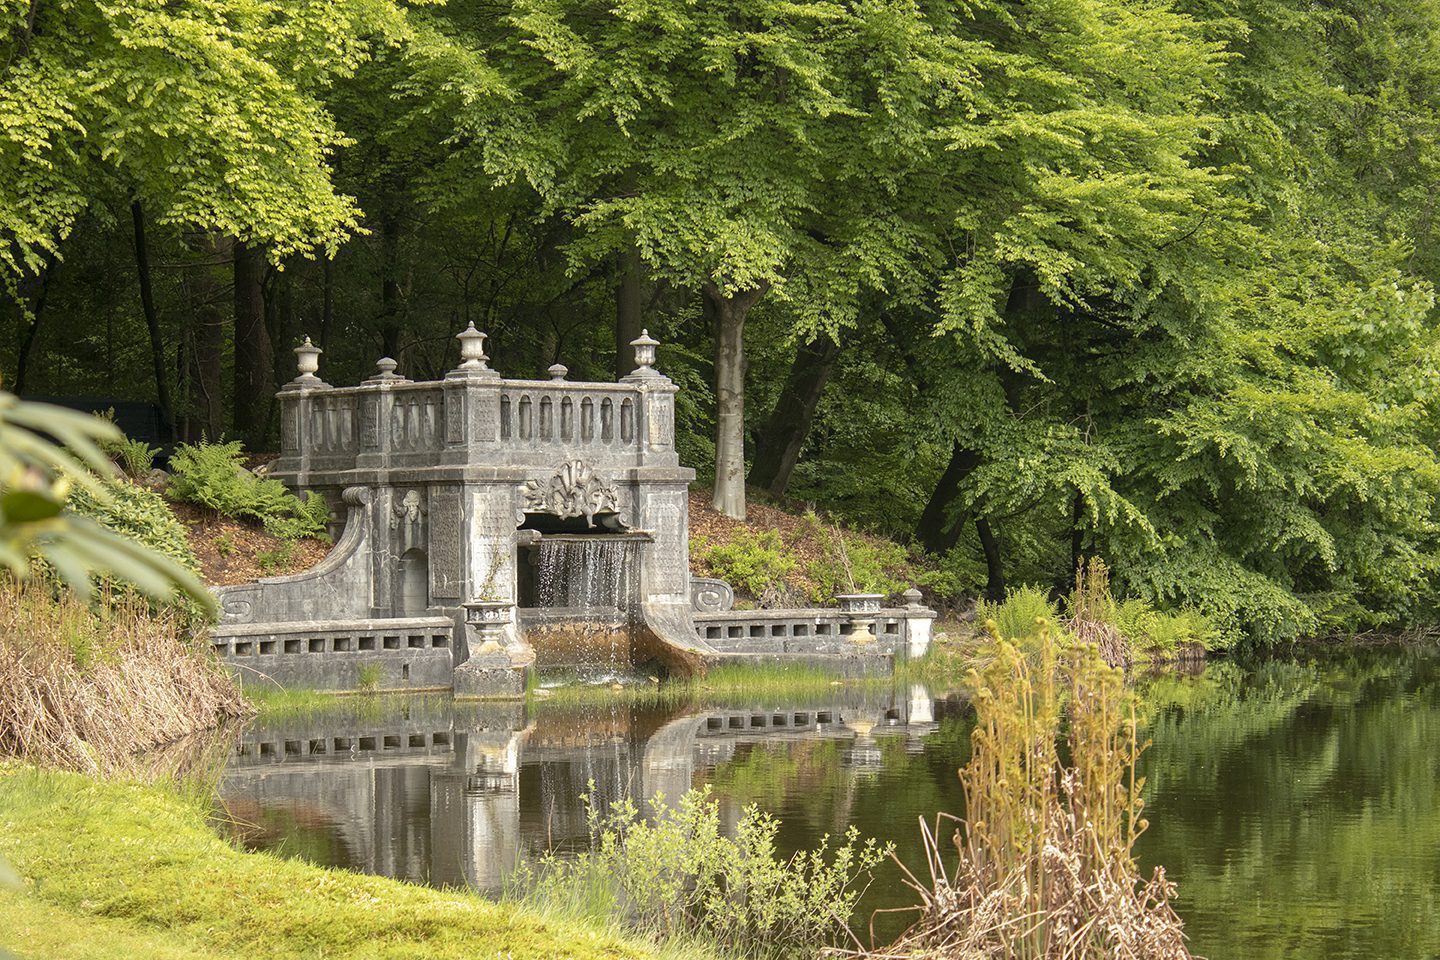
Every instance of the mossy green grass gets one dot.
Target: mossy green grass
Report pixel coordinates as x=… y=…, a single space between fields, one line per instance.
x=114 y=870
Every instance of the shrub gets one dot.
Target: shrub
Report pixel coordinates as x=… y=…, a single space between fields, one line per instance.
x=213 y=475
x=1149 y=629
x=277 y=560
x=141 y=516
x=755 y=563
x=1140 y=623
x=674 y=875
x=1021 y=616
x=858 y=565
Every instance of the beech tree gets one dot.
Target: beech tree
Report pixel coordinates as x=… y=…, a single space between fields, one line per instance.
x=745 y=149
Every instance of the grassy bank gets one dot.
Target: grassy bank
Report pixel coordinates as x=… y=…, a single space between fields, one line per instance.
x=118 y=870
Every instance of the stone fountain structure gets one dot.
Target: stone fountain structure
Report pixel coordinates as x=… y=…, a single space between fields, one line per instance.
x=489 y=523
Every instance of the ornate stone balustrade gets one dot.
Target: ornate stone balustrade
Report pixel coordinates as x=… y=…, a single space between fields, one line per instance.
x=900 y=631
x=395 y=653
x=472 y=416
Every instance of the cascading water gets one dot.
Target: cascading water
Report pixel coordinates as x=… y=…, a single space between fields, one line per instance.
x=587 y=587
x=586 y=573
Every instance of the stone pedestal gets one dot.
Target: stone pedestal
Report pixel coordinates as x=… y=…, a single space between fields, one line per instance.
x=490 y=676
x=862 y=608
x=498 y=663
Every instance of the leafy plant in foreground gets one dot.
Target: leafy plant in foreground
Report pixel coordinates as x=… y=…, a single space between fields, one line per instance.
x=37 y=477
x=673 y=875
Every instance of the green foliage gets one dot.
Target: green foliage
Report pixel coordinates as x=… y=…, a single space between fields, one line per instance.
x=208 y=113
x=277 y=559
x=1025 y=613
x=213 y=475
x=674 y=875
x=756 y=563
x=144 y=518
x=36 y=478
x=1150 y=630
x=139 y=515
x=224 y=544
x=856 y=564
x=134 y=457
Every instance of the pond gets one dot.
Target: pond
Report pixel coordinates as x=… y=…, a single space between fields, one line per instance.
x=1295 y=802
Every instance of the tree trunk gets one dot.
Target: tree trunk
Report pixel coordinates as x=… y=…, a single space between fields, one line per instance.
x=728 y=313
x=206 y=291
x=254 y=362
x=994 y=564
x=32 y=329
x=152 y=320
x=390 y=319
x=778 y=447
x=327 y=303
x=938 y=529
x=627 y=311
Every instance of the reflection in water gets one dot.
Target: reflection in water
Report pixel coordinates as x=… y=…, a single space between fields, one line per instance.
x=1295 y=804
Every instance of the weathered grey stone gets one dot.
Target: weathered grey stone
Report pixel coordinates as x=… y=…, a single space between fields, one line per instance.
x=441 y=484
x=709 y=595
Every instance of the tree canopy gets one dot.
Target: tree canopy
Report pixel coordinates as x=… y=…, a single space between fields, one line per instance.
x=1024 y=281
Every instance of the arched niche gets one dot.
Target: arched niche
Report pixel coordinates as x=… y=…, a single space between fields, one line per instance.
x=414 y=583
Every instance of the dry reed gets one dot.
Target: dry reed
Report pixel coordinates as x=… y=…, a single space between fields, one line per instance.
x=1092 y=614
x=92 y=689
x=1043 y=865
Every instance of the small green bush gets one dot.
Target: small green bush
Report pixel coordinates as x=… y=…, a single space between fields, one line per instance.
x=1020 y=616
x=145 y=517
x=675 y=876
x=277 y=560
x=757 y=564
x=1149 y=629
x=858 y=565
x=1138 y=621
x=1187 y=625
x=213 y=475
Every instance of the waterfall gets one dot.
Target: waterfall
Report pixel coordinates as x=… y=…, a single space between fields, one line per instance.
x=587 y=573
x=587 y=589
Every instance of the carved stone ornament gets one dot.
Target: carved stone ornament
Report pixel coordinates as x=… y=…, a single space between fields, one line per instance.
x=409 y=511
x=574 y=491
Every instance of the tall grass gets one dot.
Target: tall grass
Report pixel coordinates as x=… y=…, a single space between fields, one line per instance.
x=1093 y=614
x=1042 y=866
x=91 y=688
x=677 y=876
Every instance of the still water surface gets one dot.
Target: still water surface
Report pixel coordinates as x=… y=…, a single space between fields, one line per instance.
x=1296 y=803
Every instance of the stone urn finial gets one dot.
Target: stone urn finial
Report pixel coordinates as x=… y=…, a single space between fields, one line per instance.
x=472 y=348
x=644 y=354
x=307 y=359
x=558 y=371
x=386 y=367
